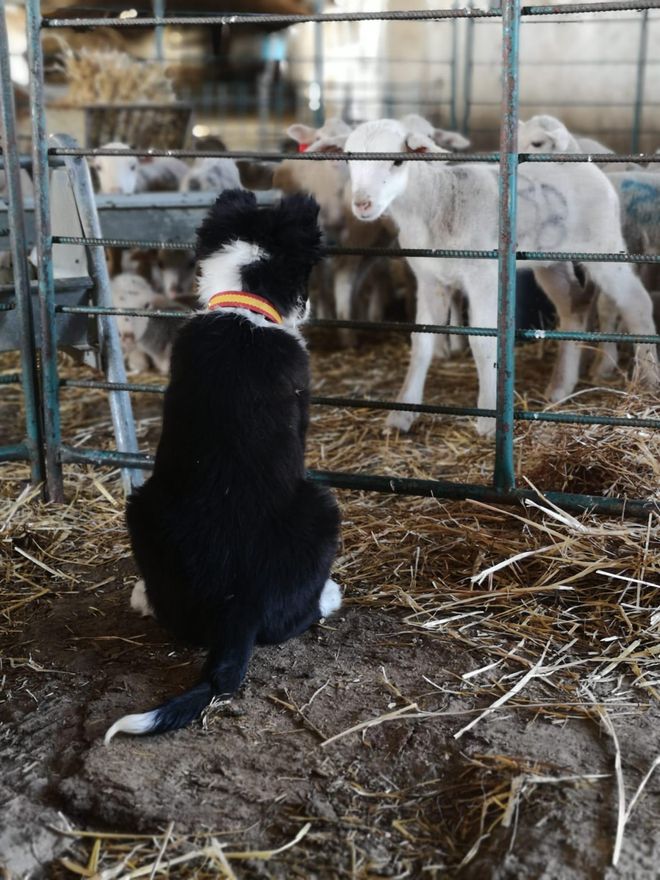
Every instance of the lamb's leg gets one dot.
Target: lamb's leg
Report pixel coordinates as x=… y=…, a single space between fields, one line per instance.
x=344 y=298
x=572 y=304
x=619 y=283
x=456 y=343
x=431 y=299
x=483 y=313
x=608 y=352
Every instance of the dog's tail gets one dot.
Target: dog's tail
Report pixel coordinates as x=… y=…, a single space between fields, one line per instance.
x=222 y=675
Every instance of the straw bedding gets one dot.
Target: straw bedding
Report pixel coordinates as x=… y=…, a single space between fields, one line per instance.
x=486 y=706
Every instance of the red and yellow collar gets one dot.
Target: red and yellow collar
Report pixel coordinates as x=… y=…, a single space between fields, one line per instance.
x=239 y=299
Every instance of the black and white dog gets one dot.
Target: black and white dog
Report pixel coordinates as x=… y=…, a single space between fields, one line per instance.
x=234 y=544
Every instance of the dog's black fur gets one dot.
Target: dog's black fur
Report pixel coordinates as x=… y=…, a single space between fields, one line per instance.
x=234 y=544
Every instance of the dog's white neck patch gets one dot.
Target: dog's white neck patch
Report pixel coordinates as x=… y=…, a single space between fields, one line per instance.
x=222 y=270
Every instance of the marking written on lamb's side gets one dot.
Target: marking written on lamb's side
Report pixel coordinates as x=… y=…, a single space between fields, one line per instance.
x=548 y=213
x=641 y=201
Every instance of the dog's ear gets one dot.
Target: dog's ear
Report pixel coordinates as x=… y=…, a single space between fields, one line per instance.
x=297 y=223
x=229 y=218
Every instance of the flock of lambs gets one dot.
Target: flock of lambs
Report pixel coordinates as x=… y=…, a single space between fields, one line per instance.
x=570 y=207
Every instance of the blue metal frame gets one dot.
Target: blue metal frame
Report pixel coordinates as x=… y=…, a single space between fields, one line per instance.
x=503 y=488
x=44 y=242
x=504 y=477
x=30 y=448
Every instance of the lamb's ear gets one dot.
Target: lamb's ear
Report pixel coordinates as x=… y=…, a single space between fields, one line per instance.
x=419 y=143
x=331 y=143
x=561 y=139
x=303 y=134
x=450 y=140
x=335 y=127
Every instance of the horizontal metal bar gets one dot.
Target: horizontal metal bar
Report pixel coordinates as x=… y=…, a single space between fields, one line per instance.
x=469 y=412
x=397 y=326
x=16 y=452
x=450 y=330
x=268 y=18
x=390 y=405
x=463 y=491
x=401 y=485
x=433 y=253
x=10 y=379
x=135 y=387
x=411 y=15
x=573 y=8
x=62 y=285
x=104 y=457
x=273 y=156
x=128 y=313
x=7 y=307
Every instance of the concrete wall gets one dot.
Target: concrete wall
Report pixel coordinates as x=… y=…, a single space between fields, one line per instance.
x=583 y=69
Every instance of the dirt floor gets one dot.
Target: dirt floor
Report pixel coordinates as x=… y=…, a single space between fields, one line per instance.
x=347 y=752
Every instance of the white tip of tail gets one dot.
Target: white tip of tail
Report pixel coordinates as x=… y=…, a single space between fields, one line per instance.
x=133 y=724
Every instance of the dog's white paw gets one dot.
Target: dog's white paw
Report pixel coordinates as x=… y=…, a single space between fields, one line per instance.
x=330 y=599
x=139 y=600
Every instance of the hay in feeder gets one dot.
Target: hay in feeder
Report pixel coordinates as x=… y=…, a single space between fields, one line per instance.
x=97 y=76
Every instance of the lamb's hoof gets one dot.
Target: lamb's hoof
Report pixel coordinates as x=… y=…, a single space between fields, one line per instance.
x=398 y=420
x=646 y=371
x=330 y=598
x=604 y=368
x=139 y=600
x=485 y=426
x=555 y=393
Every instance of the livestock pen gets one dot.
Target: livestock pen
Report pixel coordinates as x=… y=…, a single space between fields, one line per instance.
x=487 y=703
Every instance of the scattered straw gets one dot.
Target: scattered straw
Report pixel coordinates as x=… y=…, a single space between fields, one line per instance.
x=542 y=603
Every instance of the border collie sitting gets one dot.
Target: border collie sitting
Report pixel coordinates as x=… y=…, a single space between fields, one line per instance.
x=234 y=544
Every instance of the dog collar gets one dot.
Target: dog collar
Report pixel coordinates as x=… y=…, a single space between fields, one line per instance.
x=239 y=299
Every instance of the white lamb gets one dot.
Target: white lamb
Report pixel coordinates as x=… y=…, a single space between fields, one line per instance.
x=211 y=174
x=144 y=340
x=329 y=182
x=639 y=195
x=449 y=205
x=547 y=134
x=125 y=175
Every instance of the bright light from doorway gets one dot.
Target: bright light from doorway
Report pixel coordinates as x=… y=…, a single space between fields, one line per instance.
x=314 y=96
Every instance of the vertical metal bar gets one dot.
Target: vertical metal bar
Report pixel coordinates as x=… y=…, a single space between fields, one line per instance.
x=319 y=112
x=265 y=89
x=467 y=74
x=18 y=242
x=504 y=477
x=52 y=437
x=159 y=12
x=111 y=353
x=453 y=109
x=641 y=82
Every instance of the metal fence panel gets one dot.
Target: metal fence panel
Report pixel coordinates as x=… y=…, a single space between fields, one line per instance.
x=503 y=488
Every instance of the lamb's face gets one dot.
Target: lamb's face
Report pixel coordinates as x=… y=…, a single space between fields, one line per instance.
x=375 y=185
x=117 y=175
x=543 y=134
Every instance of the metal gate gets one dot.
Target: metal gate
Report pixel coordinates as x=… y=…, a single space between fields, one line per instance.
x=503 y=488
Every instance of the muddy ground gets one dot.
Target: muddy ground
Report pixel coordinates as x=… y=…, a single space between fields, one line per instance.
x=397 y=799
x=530 y=792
